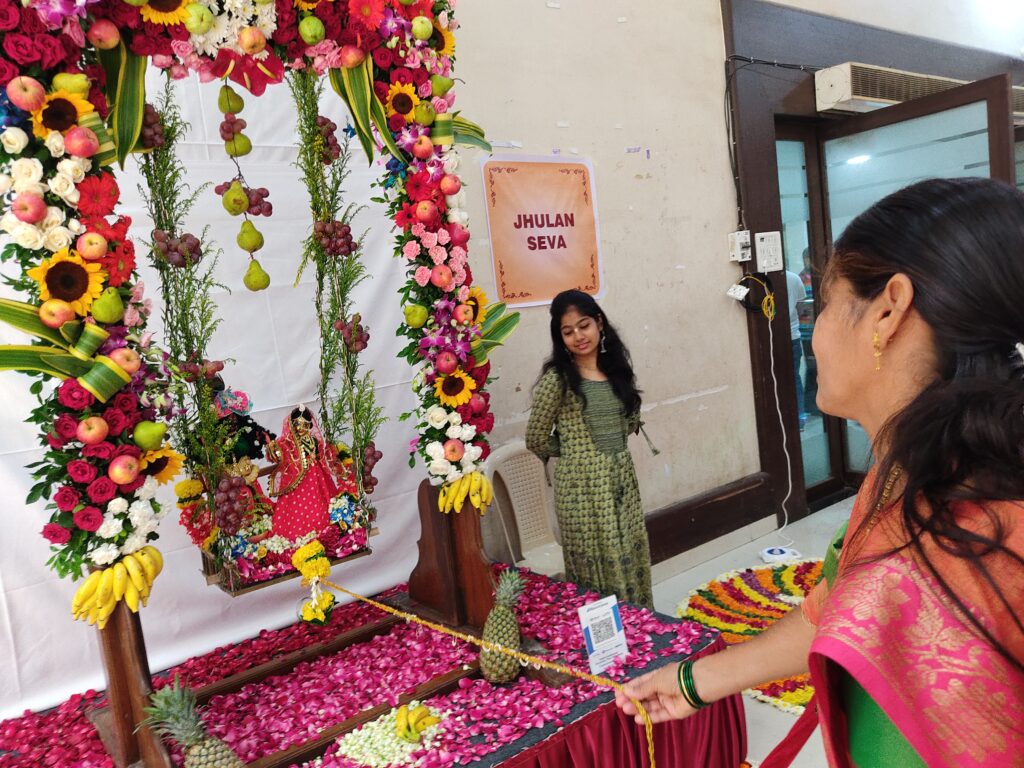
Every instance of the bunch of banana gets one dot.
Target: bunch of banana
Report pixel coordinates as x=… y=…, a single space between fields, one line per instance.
x=129 y=579
x=474 y=486
x=411 y=723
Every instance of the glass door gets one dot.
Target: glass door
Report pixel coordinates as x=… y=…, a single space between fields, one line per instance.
x=965 y=131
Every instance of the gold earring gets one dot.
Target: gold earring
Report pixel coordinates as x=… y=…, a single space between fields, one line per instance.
x=877 y=341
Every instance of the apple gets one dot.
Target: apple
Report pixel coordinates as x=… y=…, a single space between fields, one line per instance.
x=149 y=435
x=441 y=276
x=81 y=142
x=450 y=185
x=127 y=359
x=123 y=469
x=422 y=29
x=29 y=208
x=423 y=148
x=477 y=404
x=458 y=233
x=200 y=19
x=55 y=312
x=91 y=246
x=426 y=212
x=463 y=314
x=446 y=362
x=352 y=56
x=312 y=30
x=454 y=450
x=26 y=93
x=103 y=34
x=252 y=40
x=92 y=430
x=415 y=315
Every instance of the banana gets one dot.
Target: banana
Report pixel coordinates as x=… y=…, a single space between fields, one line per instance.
x=474 y=491
x=428 y=721
x=136 y=574
x=147 y=563
x=442 y=498
x=460 y=498
x=105 y=590
x=156 y=556
x=131 y=597
x=84 y=592
x=416 y=715
x=120 y=580
x=486 y=492
x=402 y=721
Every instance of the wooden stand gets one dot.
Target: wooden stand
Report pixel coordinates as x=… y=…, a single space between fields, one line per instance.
x=452 y=580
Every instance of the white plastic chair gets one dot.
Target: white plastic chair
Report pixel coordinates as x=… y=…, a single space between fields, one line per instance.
x=521 y=474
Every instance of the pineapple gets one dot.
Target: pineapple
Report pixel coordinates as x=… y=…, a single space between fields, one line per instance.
x=172 y=712
x=502 y=628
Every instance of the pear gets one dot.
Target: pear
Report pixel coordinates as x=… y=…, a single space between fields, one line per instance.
x=312 y=30
x=415 y=315
x=249 y=238
x=238 y=145
x=440 y=85
x=108 y=308
x=235 y=200
x=228 y=100
x=256 y=278
x=425 y=113
x=149 y=435
x=199 y=22
x=77 y=83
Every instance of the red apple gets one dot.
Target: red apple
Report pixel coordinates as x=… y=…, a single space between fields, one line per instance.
x=81 y=142
x=426 y=212
x=423 y=148
x=446 y=362
x=252 y=40
x=91 y=246
x=463 y=314
x=352 y=56
x=458 y=233
x=477 y=404
x=127 y=359
x=26 y=93
x=123 y=469
x=454 y=450
x=450 y=184
x=441 y=276
x=55 y=312
x=29 y=208
x=92 y=430
x=103 y=34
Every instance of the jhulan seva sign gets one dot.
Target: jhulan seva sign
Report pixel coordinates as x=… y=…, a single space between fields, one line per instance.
x=543 y=227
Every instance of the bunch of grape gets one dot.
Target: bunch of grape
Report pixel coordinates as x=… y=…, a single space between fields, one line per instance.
x=152 y=135
x=332 y=150
x=232 y=501
x=370 y=458
x=352 y=332
x=334 y=237
x=180 y=251
x=258 y=203
x=231 y=126
x=205 y=369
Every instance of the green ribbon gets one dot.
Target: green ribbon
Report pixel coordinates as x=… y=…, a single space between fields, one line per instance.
x=90 y=340
x=104 y=379
x=442 y=132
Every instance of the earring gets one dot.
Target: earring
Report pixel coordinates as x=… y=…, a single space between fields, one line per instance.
x=877 y=341
x=602 y=349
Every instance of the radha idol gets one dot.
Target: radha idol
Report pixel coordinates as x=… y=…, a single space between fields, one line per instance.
x=305 y=479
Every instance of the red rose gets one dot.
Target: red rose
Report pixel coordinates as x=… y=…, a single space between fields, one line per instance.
x=396 y=122
x=479 y=373
x=116 y=420
x=99 y=100
x=126 y=401
x=73 y=395
x=381 y=89
x=101 y=490
x=133 y=486
x=66 y=498
x=383 y=57
x=9 y=17
x=31 y=23
x=88 y=519
x=21 y=49
x=7 y=71
x=103 y=451
x=81 y=472
x=51 y=52
x=72 y=51
x=54 y=442
x=401 y=75
x=122 y=14
x=133 y=419
x=128 y=450
x=419 y=77
x=56 y=534
x=66 y=426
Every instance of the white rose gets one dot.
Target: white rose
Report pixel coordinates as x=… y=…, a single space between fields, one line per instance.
x=436 y=416
x=468 y=432
x=14 y=140
x=28 y=236
x=458 y=200
x=57 y=239
x=458 y=217
x=54 y=218
x=439 y=467
x=111 y=527
x=453 y=432
x=72 y=197
x=8 y=222
x=473 y=453
x=117 y=506
x=148 y=489
x=434 y=450
x=451 y=162
x=5 y=183
x=31 y=187
x=76 y=227
x=62 y=185
x=71 y=169
x=104 y=554
x=55 y=143
x=26 y=169
x=454 y=418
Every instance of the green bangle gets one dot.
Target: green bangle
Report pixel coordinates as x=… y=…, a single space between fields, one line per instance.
x=689 y=687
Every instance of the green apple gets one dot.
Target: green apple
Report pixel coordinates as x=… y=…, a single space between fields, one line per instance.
x=415 y=315
x=149 y=435
x=422 y=29
x=200 y=19
x=425 y=113
x=440 y=85
x=311 y=30
x=108 y=308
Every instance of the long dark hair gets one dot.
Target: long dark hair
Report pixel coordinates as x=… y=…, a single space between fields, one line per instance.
x=614 y=362
x=961 y=243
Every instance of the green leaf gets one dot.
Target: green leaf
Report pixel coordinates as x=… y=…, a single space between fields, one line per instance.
x=110 y=60
x=36 y=493
x=35 y=389
x=25 y=317
x=501 y=329
x=380 y=119
x=129 y=103
x=468 y=132
x=43 y=360
x=352 y=86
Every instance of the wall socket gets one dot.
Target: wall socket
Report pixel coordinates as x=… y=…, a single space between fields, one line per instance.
x=738 y=292
x=769 y=251
x=739 y=245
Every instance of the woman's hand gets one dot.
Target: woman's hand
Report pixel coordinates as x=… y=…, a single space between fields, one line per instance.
x=658 y=692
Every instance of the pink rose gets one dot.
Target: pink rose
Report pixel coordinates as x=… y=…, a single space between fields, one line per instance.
x=411 y=250
x=103 y=451
x=463 y=293
x=88 y=519
x=162 y=61
x=56 y=534
x=422 y=276
x=182 y=48
x=65 y=426
x=73 y=395
x=440 y=105
x=81 y=472
x=66 y=498
x=101 y=490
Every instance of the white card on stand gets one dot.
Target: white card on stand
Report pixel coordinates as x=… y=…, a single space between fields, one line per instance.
x=603 y=633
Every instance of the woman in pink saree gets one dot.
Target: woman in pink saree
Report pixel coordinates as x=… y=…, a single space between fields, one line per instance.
x=915 y=636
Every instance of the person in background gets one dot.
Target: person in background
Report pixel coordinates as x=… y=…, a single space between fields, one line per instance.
x=915 y=636
x=795 y=293
x=585 y=405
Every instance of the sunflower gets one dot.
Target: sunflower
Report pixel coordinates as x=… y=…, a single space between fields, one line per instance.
x=455 y=389
x=442 y=41
x=478 y=301
x=303 y=5
x=61 y=112
x=402 y=100
x=69 y=277
x=164 y=464
x=165 y=12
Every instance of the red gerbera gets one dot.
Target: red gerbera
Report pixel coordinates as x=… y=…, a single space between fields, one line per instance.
x=419 y=186
x=406 y=217
x=120 y=263
x=368 y=13
x=98 y=195
x=419 y=8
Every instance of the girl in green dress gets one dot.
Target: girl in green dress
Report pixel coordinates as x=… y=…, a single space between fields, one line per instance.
x=584 y=406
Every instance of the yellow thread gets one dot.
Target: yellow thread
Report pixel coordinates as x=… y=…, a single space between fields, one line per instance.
x=494 y=647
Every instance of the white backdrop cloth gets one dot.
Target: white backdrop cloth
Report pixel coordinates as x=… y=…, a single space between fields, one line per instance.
x=272 y=338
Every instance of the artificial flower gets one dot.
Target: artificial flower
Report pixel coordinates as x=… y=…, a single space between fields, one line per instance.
x=60 y=112
x=402 y=100
x=454 y=389
x=67 y=276
x=163 y=464
x=164 y=12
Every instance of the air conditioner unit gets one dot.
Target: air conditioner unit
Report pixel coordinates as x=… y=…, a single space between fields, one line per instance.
x=852 y=87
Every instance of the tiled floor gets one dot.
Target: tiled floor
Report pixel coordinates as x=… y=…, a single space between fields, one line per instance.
x=766 y=725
